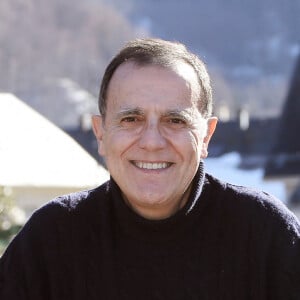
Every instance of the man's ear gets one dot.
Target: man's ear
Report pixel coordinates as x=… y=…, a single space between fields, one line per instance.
x=97 y=122
x=211 y=126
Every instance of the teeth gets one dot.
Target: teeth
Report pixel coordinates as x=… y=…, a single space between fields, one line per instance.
x=151 y=166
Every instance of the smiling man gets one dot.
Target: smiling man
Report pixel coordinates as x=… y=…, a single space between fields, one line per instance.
x=153 y=135
x=160 y=228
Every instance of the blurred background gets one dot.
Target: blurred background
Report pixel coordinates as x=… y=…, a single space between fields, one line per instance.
x=52 y=57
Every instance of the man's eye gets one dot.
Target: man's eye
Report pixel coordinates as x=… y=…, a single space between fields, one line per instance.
x=176 y=121
x=129 y=119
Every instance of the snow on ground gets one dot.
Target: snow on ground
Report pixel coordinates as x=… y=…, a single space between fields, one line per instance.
x=226 y=168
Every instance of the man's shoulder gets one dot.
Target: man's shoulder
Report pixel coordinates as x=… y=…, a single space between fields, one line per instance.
x=75 y=204
x=252 y=203
x=62 y=216
x=76 y=200
x=239 y=193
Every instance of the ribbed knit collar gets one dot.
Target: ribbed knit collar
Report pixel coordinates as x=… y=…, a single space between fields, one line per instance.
x=157 y=230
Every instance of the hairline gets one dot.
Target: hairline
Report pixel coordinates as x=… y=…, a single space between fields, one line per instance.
x=163 y=60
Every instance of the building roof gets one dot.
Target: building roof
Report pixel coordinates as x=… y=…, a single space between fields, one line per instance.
x=285 y=157
x=35 y=152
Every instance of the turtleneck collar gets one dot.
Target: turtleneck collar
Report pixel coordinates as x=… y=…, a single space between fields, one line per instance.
x=133 y=224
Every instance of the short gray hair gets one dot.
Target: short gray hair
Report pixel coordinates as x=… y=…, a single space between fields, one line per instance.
x=162 y=53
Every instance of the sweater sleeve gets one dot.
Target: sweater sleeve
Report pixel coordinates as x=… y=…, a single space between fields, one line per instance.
x=21 y=265
x=284 y=260
x=271 y=233
x=12 y=286
x=29 y=263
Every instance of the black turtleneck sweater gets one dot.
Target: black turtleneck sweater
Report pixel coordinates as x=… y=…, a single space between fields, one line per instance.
x=228 y=242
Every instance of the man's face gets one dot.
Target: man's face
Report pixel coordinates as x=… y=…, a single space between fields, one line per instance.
x=153 y=136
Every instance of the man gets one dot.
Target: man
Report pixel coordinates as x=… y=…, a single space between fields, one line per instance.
x=161 y=228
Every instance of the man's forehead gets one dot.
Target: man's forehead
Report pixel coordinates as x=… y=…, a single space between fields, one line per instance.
x=180 y=67
x=124 y=88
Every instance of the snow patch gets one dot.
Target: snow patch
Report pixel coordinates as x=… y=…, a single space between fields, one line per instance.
x=226 y=168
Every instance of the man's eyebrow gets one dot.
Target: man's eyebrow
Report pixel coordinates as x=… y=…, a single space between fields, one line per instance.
x=183 y=114
x=129 y=112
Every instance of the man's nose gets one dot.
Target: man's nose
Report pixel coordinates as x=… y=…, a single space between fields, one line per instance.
x=151 y=137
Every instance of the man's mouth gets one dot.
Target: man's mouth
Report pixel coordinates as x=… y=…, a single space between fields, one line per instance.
x=151 y=166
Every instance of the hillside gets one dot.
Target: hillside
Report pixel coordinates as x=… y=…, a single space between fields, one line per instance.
x=258 y=34
x=251 y=45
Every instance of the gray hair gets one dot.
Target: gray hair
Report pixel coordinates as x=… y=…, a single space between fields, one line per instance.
x=162 y=53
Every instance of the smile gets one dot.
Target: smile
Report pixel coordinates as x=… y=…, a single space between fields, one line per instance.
x=151 y=166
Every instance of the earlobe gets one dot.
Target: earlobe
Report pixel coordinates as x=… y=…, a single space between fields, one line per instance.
x=97 y=122
x=211 y=126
